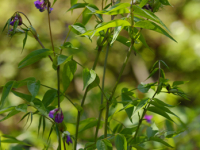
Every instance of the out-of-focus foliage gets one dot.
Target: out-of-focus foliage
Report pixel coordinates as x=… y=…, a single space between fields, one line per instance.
x=183 y=20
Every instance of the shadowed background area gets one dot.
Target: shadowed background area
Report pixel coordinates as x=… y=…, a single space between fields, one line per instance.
x=183 y=59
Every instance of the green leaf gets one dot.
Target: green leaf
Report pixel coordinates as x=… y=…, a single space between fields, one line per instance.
x=117 y=30
x=6 y=25
x=113 y=23
x=128 y=131
x=39 y=125
x=10 y=139
x=160 y=141
x=34 y=57
x=33 y=88
x=73 y=2
x=40 y=106
x=54 y=2
x=154 y=65
x=120 y=142
x=93 y=9
x=164 y=2
x=150 y=132
x=25 y=97
x=120 y=8
x=23 y=82
x=176 y=83
x=117 y=128
x=6 y=109
x=161 y=103
x=126 y=94
x=63 y=59
x=94 y=83
x=152 y=26
x=78 y=5
x=159 y=112
x=6 y=90
x=68 y=45
x=149 y=15
x=86 y=16
x=49 y=96
x=89 y=125
x=152 y=73
x=88 y=77
x=101 y=145
x=164 y=63
x=144 y=88
x=141 y=105
x=24 y=40
x=22 y=107
x=143 y=2
x=68 y=73
x=10 y=114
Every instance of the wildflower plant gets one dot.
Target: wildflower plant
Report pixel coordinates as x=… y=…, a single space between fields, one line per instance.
x=132 y=17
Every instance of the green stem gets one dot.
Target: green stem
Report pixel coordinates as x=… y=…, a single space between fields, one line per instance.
x=83 y=100
x=102 y=93
x=58 y=79
x=145 y=109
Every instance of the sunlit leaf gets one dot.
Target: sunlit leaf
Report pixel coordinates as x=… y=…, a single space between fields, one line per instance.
x=78 y=5
x=88 y=77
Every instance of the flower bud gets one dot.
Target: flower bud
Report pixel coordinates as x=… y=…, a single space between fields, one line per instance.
x=66 y=136
x=15 y=18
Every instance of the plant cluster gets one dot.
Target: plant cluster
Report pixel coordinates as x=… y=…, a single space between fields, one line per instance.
x=131 y=18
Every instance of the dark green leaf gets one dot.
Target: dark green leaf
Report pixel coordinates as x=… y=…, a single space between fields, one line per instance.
x=154 y=65
x=10 y=114
x=22 y=107
x=39 y=125
x=129 y=131
x=25 y=97
x=89 y=125
x=152 y=26
x=150 y=132
x=44 y=125
x=143 y=2
x=88 y=77
x=152 y=73
x=176 y=83
x=94 y=83
x=6 y=109
x=40 y=107
x=161 y=103
x=23 y=82
x=164 y=63
x=10 y=139
x=160 y=141
x=63 y=59
x=6 y=24
x=159 y=112
x=24 y=40
x=149 y=15
x=86 y=16
x=49 y=96
x=6 y=90
x=140 y=105
x=33 y=88
x=164 y=2
x=101 y=145
x=144 y=88
x=68 y=73
x=78 y=5
x=73 y=2
x=34 y=57
x=120 y=142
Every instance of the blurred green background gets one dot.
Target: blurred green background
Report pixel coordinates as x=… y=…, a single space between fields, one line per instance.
x=183 y=58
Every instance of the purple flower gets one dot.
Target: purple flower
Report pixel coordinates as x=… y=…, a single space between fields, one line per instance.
x=57 y=115
x=66 y=136
x=15 y=18
x=42 y=5
x=148 y=118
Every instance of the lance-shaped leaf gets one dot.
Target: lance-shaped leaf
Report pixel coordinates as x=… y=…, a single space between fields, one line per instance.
x=33 y=88
x=6 y=90
x=119 y=8
x=159 y=112
x=149 y=15
x=143 y=2
x=22 y=107
x=113 y=23
x=126 y=95
x=152 y=73
x=10 y=114
x=63 y=59
x=6 y=109
x=160 y=141
x=94 y=83
x=23 y=82
x=68 y=73
x=88 y=77
x=78 y=5
x=117 y=30
x=164 y=2
x=10 y=139
x=140 y=105
x=86 y=16
x=93 y=8
x=49 y=96
x=152 y=26
x=34 y=57
x=24 y=40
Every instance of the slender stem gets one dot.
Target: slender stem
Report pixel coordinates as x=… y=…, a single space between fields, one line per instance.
x=83 y=100
x=37 y=39
x=102 y=93
x=25 y=16
x=145 y=109
x=64 y=145
x=58 y=80
x=71 y=29
x=121 y=71
x=49 y=22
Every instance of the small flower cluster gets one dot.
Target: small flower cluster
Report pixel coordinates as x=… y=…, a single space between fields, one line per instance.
x=57 y=115
x=15 y=18
x=42 y=5
x=148 y=118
